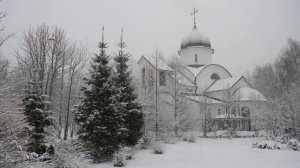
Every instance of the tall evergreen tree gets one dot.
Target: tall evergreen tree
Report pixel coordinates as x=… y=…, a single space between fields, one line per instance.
x=37 y=114
x=133 y=116
x=101 y=114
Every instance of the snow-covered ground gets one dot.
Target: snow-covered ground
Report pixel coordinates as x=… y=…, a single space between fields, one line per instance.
x=214 y=153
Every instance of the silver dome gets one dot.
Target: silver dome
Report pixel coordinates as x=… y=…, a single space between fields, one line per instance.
x=195 y=38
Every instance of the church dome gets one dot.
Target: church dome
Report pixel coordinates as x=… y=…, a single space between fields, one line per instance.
x=195 y=38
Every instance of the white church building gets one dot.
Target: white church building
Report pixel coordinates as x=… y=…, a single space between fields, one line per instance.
x=210 y=96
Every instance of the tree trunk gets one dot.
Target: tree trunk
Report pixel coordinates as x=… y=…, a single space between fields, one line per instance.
x=68 y=109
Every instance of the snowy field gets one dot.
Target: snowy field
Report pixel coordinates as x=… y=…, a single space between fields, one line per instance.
x=214 y=153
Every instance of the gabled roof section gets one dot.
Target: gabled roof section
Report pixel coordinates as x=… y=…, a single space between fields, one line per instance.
x=204 y=99
x=161 y=65
x=181 y=79
x=223 y=84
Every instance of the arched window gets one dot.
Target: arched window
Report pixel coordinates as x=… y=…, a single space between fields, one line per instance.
x=196 y=58
x=214 y=76
x=245 y=112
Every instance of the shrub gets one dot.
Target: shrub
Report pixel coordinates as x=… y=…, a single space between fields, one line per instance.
x=145 y=142
x=158 y=148
x=230 y=133
x=293 y=144
x=266 y=145
x=169 y=138
x=128 y=152
x=119 y=160
x=189 y=137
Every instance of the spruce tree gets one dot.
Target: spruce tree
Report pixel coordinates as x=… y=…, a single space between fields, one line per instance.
x=101 y=114
x=37 y=114
x=133 y=116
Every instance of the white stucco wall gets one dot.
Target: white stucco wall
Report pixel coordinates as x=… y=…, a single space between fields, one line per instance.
x=203 y=79
x=204 y=55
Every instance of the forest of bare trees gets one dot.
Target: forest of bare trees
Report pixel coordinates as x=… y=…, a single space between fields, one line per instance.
x=279 y=81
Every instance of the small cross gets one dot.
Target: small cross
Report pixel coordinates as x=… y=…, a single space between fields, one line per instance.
x=102 y=34
x=194 y=13
x=122 y=35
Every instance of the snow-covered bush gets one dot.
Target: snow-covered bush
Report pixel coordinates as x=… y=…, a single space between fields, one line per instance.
x=70 y=154
x=282 y=139
x=13 y=139
x=230 y=133
x=128 y=152
x=293 y=144
x=158 y=148
x=145 y=142
x=169 y=138
x=190 y=137
x=185 y=138
x=266 y=145
x=119 y=159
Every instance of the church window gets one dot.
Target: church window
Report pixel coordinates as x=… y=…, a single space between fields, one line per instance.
x=245 y=112
x=214 y=76
x=143 y=77
x=196 y=58
x=162 y=78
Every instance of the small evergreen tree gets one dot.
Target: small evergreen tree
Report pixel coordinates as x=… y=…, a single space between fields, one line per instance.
x=101 y=113
x=133 y=116
x=37 y=114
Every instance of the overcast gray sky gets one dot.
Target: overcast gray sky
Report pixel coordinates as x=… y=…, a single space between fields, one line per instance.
x=244 y=33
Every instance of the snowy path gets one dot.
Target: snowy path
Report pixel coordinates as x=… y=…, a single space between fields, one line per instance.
x=214 y=153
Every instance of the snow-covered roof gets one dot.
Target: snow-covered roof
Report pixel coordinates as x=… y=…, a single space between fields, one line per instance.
x=248 y=94
x=223 y=84
x=181 y=79
x=161 y=65
x=204 y=99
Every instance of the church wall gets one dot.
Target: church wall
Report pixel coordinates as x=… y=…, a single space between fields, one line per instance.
x=204 y=80
x=150 y=79
x=195 y=115
x=203 y=56
x=217 y=109
x=179 y=87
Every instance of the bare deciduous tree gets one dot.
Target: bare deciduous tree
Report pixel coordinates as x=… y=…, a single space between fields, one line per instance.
x=3 y=37
x=75 y=65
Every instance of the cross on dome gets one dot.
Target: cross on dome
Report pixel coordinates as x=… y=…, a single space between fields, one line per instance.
x=194 y=13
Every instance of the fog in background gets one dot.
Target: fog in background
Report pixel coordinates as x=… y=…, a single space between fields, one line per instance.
x=243 y=33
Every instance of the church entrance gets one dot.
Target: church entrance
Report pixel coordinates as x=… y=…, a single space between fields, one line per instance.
x=239 y=119
x=240 y=124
